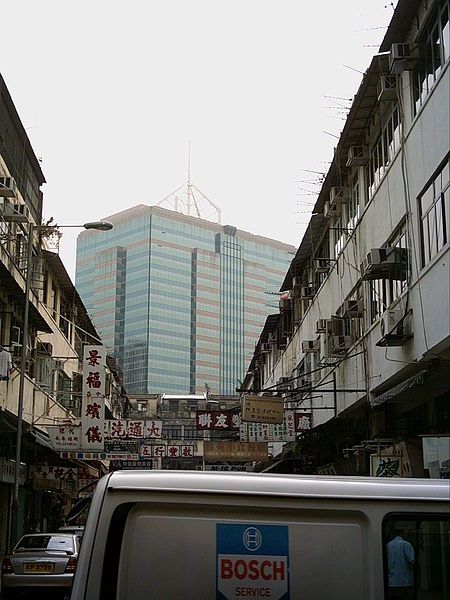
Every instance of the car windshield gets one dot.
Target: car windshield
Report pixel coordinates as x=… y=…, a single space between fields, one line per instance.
x=48 y=542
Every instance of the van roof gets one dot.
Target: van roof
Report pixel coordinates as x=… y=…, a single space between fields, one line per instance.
x=281 y=485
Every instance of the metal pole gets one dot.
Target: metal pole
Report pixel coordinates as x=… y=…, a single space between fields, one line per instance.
x=14 y=534
x=334 y=394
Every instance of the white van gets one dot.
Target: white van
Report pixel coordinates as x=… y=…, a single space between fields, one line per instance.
x=167 y=535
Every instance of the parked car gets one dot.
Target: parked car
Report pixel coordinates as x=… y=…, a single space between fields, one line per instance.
x=40 y=562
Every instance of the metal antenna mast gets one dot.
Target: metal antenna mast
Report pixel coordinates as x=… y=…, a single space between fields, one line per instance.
x=189 y=200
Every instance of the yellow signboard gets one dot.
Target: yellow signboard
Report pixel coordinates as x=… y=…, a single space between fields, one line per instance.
x=262 y=409
x=235 y=451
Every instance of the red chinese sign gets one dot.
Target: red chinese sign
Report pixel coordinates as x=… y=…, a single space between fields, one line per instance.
x=303 y=422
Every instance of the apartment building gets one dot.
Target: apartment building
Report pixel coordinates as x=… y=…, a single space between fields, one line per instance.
x=362 y=338
x=41 y=341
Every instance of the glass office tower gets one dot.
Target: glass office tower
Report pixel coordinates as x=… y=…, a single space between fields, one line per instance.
x=179 y=301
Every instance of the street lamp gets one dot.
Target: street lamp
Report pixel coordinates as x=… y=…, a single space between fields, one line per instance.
x=99 y=226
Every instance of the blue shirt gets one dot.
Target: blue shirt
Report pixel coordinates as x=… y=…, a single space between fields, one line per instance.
x=400 y=563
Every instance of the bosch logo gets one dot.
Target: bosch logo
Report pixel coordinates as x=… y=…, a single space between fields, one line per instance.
x=252 y=539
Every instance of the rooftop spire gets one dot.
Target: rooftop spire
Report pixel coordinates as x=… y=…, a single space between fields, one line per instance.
x=189 y=200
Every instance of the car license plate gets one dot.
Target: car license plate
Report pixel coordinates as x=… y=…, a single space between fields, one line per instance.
x=39 y=568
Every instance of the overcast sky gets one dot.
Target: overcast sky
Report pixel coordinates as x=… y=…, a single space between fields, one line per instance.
x=110 y=94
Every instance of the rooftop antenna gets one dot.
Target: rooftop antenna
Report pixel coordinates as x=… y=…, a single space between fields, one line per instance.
x=191 y=201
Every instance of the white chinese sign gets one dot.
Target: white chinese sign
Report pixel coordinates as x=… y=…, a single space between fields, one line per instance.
x=265 y=432
x=65 y=437
x=53 y=473
x=133 y=430
x=93 y=402
x=169 y=451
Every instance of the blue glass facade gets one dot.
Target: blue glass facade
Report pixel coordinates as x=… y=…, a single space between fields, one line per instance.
x=178 y=300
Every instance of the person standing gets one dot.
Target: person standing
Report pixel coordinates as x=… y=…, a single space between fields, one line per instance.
x=401 y=558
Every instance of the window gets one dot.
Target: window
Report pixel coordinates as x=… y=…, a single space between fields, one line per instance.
x=191 y=433
x=434 y=208
x=383 y=151
x=172 y=432
x=353 y=207
x=339 y=236
x=416 y=556
x=434 y=51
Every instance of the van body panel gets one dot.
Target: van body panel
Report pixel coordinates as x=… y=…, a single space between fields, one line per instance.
x=169 y=535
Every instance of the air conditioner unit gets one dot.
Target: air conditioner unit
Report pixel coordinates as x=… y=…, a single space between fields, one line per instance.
x=385 y=263
x=338 y=195
x=387 y=88
x=395 y=327
x=396 y=255
x=308 y=346
x=16 y=213
x=285 y=303
x=307 y=292
x=331 y=210
x=322 y=265
x=322 y=325
x=353 y=308
x=358 y=156
x=266 y=348
x=8 y=187
x=341 y=343
x=389 y=321
x=403 y=57
x=296 y=281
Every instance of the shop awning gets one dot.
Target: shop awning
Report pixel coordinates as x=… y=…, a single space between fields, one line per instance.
x=402 y=387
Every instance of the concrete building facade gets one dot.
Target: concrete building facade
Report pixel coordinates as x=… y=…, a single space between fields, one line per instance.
x=362 y=339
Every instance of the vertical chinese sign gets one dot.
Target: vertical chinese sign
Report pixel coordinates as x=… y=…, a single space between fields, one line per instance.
x=93 y=403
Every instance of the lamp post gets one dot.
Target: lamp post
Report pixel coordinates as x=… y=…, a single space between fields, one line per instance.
x=97 y=225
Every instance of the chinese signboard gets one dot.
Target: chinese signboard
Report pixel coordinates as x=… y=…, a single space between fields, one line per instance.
x=93 y=402
x=122 y=447
x=385 y=466
x=119 y=429
x=217 y=420
x=303 y=422
x=392 y=461
x=65 y=437
x=53 y=473
x=84 y=455
x=169 y=451
x=235 y=451
x=265 y=432
x=262 y=409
